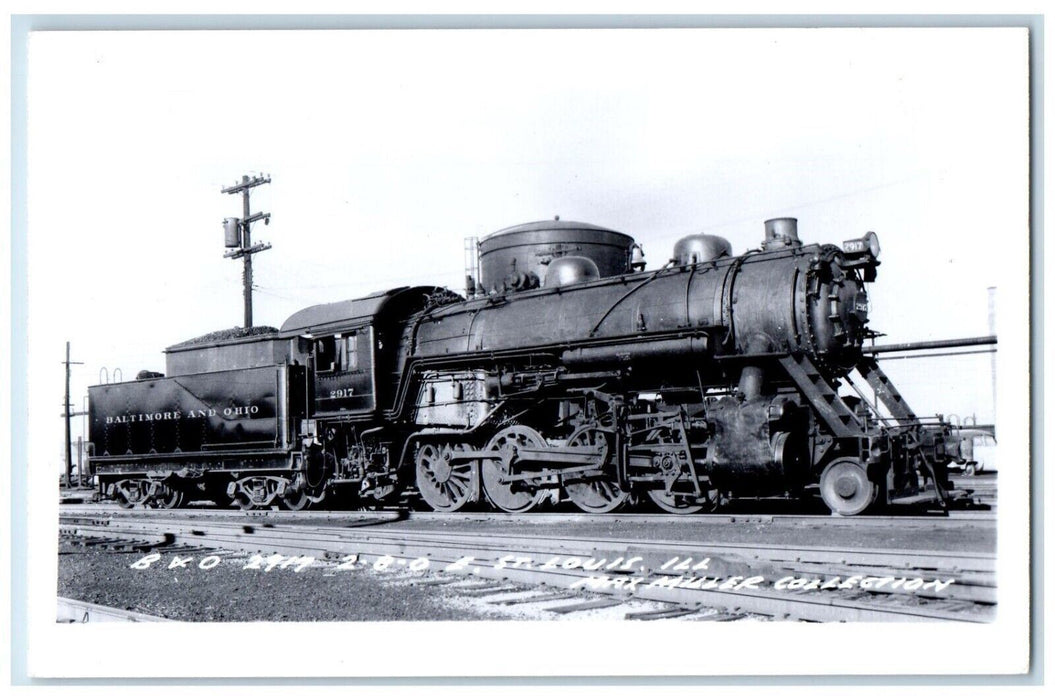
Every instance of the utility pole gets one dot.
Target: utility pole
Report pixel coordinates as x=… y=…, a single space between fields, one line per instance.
x=992 y=360
x=67 y=415
x=237 y=237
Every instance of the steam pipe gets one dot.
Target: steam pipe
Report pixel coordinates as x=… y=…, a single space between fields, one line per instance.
x=931 y=345
x=752 y=376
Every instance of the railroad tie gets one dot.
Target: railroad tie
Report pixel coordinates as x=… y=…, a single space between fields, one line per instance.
x=491 y=590
x=535 y=599
x=676 y=611
x=585 y=605
x=135 y=546
x=99 y=541
x=435 y=582
x=474 y=586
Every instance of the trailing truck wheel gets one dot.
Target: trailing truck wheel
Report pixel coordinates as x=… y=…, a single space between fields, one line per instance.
x=446 y=487
x=309 y=488
x=298 y=501
x=243 y=502
x=510 y=496
x=123 y=501
x=130 y=493
x=686 y=504
x=846 y=488
x=169 y=497
x=598 y=494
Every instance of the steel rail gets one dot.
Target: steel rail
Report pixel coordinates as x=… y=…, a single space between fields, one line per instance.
x=817 y=605
x=966 y=570
x=973 y=573
x=955 y=519
x=750 y=553
x=79 y=611
x=796 y=554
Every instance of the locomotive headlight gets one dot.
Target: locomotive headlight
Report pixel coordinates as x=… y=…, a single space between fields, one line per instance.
x=866 y=245
x=873 y=243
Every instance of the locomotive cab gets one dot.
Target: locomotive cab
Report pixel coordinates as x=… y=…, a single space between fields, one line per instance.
x=343 y=366
x=345 y=347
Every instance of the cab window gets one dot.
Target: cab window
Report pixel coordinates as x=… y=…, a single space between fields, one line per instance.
x=325 y=354
x=348 y=352
x=338 y=353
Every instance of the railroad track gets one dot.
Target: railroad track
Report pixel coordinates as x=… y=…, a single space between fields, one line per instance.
x=956 y=519
x=79 y=611
x=781 y=582
x=982 y=486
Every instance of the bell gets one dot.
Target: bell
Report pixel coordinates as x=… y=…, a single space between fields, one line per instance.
x=637 y=258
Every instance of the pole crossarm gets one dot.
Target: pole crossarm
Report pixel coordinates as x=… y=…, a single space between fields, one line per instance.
x=247 y=251
x=257 y=217
x=246 y=184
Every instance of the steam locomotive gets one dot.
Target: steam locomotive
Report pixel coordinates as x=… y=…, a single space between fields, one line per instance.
x=567 y=371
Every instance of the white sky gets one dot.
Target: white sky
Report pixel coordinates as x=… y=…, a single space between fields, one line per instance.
x=386 y=149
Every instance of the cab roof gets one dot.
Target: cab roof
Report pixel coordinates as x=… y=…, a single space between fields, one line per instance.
x=358 y=312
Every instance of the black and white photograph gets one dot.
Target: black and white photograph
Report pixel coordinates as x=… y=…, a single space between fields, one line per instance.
x=486 y=350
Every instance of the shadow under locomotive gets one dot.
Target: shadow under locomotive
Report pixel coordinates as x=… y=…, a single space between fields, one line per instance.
x=567 y=373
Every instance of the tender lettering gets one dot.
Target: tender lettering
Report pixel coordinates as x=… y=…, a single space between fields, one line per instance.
x=247 y=410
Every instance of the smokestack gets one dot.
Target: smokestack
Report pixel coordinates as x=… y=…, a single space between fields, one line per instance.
x=781 y=233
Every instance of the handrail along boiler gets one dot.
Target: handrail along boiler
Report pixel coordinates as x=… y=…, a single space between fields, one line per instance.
x=567 y=371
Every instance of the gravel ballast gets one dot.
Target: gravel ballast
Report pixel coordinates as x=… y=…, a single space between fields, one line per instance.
x=231 y=592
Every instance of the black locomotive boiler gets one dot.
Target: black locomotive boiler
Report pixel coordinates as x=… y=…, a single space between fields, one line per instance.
x=567 y=371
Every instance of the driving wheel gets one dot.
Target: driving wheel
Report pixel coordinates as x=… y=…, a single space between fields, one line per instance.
x=511 y=496
x=671 y=463
x=444 y=485
x=595 y=494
